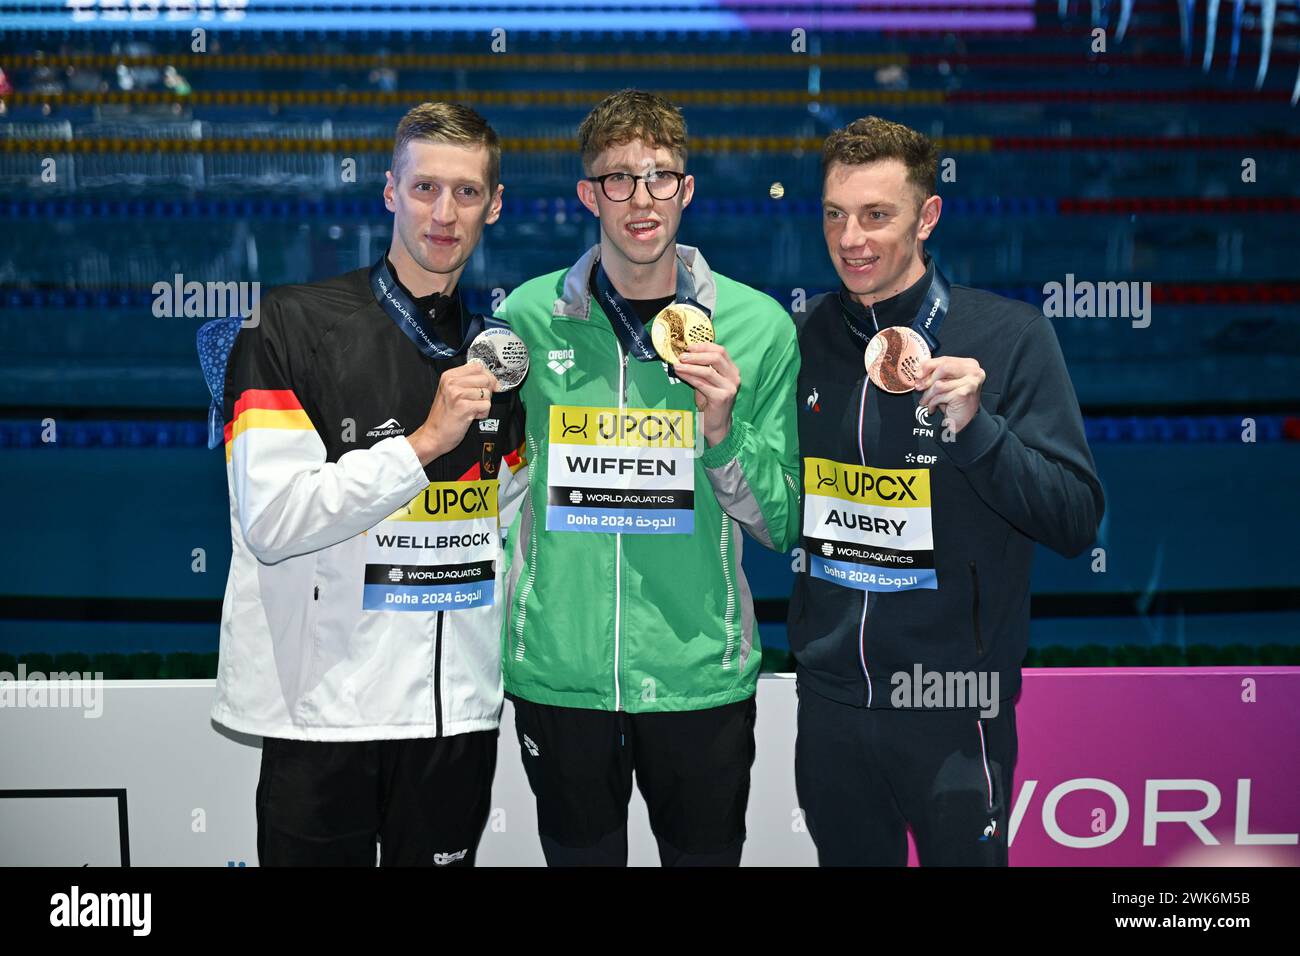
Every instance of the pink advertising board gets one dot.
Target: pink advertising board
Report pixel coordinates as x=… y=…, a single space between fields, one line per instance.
x=1160 y=766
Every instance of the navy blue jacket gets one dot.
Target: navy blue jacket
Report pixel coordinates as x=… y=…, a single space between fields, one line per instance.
x=1020 y=472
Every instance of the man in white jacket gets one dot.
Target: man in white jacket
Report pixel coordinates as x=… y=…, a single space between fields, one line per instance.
x=368 y=467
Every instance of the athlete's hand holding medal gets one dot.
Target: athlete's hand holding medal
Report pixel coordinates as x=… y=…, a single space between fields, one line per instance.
x=898 y=360
x=497 y=361
x=464 y=396
x=953 y=385
x=683 y=337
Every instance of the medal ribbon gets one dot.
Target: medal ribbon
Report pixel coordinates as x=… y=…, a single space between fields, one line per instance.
x=630 y=330
x=404 y=312
x=929 y=317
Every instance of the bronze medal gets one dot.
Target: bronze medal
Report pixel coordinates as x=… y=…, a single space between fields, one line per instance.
x=893 y=358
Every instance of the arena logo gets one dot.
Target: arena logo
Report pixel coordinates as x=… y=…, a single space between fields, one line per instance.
x=1102 y=300
x=559 y=361
x=60 y=689
x=207 y=300
x=1152 y=814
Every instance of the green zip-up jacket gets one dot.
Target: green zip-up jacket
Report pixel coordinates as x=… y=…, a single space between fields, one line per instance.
x=643 y=622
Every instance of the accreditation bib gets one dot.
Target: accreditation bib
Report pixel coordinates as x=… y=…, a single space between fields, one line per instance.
x=868 y=528
x=628 y=470
x=436 y=553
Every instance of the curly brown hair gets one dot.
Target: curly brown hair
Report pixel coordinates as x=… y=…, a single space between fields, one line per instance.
x=627 y=115
x=871 y=139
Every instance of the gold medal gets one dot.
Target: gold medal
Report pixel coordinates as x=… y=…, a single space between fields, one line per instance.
x=676 y=327
x=893 y=358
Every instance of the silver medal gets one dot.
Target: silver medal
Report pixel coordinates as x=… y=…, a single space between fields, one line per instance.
x=502 y=353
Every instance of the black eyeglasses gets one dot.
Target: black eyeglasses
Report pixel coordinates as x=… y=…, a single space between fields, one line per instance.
x=619 y=187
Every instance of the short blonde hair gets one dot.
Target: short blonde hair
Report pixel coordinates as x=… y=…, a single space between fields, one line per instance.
x=627 y=115
x=447 y=123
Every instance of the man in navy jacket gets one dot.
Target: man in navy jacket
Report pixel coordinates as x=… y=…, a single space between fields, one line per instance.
x=925 y=492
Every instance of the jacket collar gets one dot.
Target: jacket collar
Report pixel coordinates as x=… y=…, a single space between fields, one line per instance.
x=575 y=298
x=439 y=306
x=898 y=309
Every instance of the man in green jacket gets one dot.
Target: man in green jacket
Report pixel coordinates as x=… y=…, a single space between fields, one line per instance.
x=629 y=640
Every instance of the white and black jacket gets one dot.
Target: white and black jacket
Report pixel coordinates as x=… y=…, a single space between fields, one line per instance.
x=318 y=398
